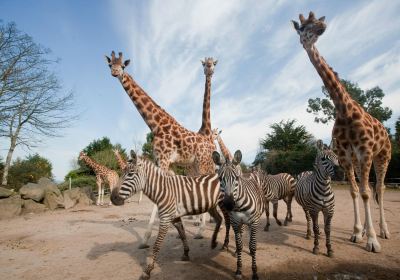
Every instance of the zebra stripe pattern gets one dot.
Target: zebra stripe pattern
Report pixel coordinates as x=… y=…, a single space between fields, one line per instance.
x=275 y=188
x=314 y=193
x=175 y=196
x=243 y=198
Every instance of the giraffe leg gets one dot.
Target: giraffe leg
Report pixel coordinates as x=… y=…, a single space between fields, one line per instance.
x=239 y=246
x=98 y=183
x=372 y=242
x=147 y=234
x=314 y=217
x=327 y=228
x=380 y=165
x=162 y=231
x=179 y=227
x=266 y=228
x=275 y=212
x=253 y=248
x=218 y=220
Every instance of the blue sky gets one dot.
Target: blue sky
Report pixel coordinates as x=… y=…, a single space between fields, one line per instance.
x=263 y=75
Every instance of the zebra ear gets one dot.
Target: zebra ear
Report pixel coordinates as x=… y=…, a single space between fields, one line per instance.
x=216 y=158
x=133 y=158
x=320 y=145
x=237 y=157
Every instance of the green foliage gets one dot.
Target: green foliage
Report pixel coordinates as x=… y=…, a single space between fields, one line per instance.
x=293 y=162
x=29 y=170
x=98 y=145
x=285 y=136
x=147 y=148
x=397 y=131
x=81 y=181
x=370 y=100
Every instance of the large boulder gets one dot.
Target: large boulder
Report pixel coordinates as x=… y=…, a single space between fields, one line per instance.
x=53 y=199
x=31 y=206
x=10 y=207
x=89 y=193
x=80 y=196
x=4 y=193
x=37 y=191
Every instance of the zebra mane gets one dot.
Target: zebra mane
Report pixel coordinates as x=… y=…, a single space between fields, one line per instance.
x=151 y=165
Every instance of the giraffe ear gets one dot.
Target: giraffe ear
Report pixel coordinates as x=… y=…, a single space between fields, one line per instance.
x=133 y=158
x=216 y=158
x=296 y=25
x=322 y=19
x=215 y=62
x=301 y=18
x=203 y=62
x=237 y=157
x=108 y=59
x=126 y=63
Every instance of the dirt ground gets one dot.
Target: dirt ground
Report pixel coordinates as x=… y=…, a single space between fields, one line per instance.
x=102 y=243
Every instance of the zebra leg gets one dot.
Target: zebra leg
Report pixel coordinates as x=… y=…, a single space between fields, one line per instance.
x=275 y=212
x=253 y=248
x=199 y=234
x=314 y=217
x=288 y=201
x=327 y=227
x=308 y=218
x=162 y=231
x=267 y=215
x=218 y=219
x=227 y=226
x=147 y=234
x=181 y=230
x=239 y=246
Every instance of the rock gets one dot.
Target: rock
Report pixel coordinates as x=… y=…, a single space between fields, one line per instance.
x=30 y=206
x=47 y=184
x=4 y=193
x=71 y=197
x=84 y=200
x=32 y=191
x=10 y=207
x=53 y=199
x=89 y=193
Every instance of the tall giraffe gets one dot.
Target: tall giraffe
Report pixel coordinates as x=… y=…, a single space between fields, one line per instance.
x=122 y=165
x=103 y=175
x=172 y=142
x=208 y=65
x=361 y=139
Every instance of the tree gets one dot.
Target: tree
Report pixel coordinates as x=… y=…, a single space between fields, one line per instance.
x=286 y=136
x=98 y=145
x=147 y=148
x=29 y=170
x=397 y=131
x=370 y=100
x=31 y=104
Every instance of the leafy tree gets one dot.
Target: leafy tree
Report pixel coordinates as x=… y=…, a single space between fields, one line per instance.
x=31 y=105
x=397 y=131
x=98 y=145
x=286 y=136
x=30 y=169
x=370 y=100
x=147 y=148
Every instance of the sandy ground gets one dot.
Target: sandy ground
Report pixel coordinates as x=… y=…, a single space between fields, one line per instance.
x=101 y=243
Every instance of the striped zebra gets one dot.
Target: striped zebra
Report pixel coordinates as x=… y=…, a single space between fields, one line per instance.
x=314 y=193
x=244 y=200
x=176 y=196
x=275 y=188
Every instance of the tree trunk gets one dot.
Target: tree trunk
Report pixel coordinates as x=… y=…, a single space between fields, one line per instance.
x=8 y=159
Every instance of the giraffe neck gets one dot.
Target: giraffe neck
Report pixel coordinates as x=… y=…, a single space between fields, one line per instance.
x=97 y=168
x=150 y=111
x=120 y=160
x=336 y=90
x=224 y=150
x=205 y=128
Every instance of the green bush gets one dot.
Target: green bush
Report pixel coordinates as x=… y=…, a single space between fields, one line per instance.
x=81 y=181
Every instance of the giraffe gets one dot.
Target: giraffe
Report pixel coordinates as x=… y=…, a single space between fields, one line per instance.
x=122 y=165
x=103 y=175
x=208 y=65
x=172 y=142
x=216 y=135
x=361 y=139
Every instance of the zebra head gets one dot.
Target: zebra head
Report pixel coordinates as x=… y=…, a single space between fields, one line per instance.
x=326 y=159
x=132 y=180
x=229 y=178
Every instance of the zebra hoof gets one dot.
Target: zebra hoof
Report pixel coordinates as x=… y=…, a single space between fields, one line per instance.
x=238 y=276
x=315 y=250
x=198 y=236
x=145 y=276
x=308 y=236
x=330 y=254
x=254 y=277
x=214 y=244
x=143 y=246
x=185 y=258
x=279 y=223
x=266 y=228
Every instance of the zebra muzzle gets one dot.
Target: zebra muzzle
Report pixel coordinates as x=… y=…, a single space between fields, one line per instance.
x=115 y=198
x=229 y=202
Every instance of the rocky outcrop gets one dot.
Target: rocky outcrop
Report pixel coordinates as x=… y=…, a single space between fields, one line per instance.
x=31 y=206
x=4 y=193
x=37 y=191
x=10 y=207
x=77 y=196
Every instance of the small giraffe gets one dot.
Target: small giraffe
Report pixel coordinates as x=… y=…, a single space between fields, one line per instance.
x=216 y=135
x=208 y=65
x=172 y=142
x=361 y=139
x=103 y=175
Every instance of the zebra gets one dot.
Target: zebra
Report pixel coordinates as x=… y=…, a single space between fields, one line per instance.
x=314 y=193
x=176 y=196
x=244 y=200
x=276 y=187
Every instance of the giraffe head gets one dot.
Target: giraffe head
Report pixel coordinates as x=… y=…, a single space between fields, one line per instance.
x=215 y=133
x=82 y=155
x=309 y=29
x=208 y=65
x=117 y=65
